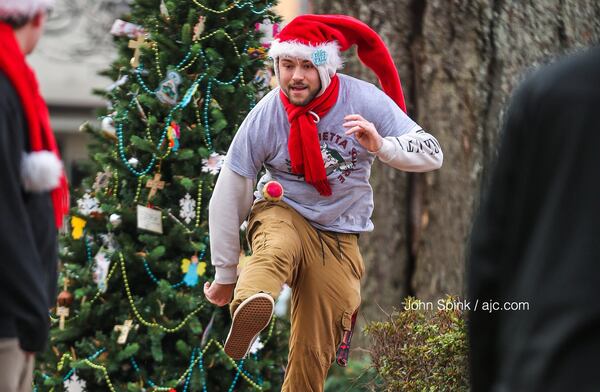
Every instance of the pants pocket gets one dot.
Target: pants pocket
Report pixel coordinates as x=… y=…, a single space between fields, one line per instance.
x=347 y=321
x=343 y=349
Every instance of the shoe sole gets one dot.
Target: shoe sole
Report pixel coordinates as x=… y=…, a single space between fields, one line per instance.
x=250 y=318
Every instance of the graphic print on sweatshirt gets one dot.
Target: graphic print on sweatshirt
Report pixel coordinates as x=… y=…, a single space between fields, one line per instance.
x=333 y=158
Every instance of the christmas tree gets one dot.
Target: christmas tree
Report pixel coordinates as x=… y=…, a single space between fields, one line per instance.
x=131 y=315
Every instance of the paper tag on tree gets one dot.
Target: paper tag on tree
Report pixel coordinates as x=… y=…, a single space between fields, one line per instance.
x=149 y=219
x=121 y=28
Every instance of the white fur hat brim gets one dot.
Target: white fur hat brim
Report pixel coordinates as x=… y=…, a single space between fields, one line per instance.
x=300 y=50
x=27 y=8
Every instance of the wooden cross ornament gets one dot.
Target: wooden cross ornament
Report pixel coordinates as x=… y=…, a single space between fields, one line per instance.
x=62 y=312
x=124 y=329
x=137 y=45
x=154 y=185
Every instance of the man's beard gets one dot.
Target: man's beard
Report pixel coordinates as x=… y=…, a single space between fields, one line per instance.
x=301 y=101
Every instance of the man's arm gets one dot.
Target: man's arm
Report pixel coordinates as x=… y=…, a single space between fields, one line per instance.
x=415 y=151
x=229 y=207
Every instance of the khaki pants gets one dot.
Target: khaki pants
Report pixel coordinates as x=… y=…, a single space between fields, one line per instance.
x=324 y=271
x=16 y=367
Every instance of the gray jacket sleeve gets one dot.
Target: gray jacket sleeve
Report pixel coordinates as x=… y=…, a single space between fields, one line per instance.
x=229 y=206
x=415 y=151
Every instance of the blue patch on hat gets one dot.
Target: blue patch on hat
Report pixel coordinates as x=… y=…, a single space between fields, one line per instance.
x=319 y=57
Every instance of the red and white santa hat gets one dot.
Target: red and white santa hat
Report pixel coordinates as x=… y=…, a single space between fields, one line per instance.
x=321 y=38
x=23 y=8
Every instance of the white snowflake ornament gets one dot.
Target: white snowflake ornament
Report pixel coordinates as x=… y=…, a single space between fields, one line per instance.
x=213 y=164
x=188 y=207
x=256 y=346
x=75 y=384
x=88 y=205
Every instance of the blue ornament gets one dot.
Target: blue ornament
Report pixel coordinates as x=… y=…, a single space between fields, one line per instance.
x=319 y=57
x=191 y=277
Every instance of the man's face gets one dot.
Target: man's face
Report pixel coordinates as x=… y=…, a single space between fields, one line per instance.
x=37 y=28
x=299 y=80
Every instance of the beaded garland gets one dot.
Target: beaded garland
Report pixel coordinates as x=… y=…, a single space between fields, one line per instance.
x=236 y=4
x=196 y=358
x=136 y=312
x=184 y=101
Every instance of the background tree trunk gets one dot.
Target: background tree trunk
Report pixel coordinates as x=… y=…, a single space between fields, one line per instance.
x=458 y=61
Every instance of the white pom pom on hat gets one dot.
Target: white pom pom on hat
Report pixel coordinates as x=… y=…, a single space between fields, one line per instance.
x=26 y=8
x=41 y=171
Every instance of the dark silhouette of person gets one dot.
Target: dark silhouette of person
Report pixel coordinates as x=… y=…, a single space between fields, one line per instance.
x=536 y=239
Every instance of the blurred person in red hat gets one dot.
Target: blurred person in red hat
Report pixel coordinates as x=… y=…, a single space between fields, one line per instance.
x=317 y=135
x=33 y=197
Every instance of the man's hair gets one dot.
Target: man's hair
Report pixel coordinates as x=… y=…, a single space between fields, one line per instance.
x=17 y=13
x=16 y=22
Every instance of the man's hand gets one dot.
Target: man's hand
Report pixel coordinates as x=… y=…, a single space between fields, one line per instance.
x=218 y=294
x=364 y=132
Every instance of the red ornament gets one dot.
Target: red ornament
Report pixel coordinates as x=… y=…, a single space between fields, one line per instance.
x=272 y=191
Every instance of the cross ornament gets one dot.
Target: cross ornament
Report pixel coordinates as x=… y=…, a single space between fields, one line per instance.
x=137 y=45
x=124 y=329
x=154 y=185
x=62 y=312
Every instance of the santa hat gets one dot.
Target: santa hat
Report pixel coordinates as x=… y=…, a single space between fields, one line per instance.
x=23 y=8
x=320 y=38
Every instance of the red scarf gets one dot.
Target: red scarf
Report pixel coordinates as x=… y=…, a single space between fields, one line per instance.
x=12 y=63
x=303 y=143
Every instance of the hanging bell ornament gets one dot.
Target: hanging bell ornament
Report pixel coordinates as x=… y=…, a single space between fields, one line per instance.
x=64 y=300
x=115 y=220
x=133 y=162
x=108 y=128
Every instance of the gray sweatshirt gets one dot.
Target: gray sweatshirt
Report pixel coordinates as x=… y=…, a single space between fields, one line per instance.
x=261 y=143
